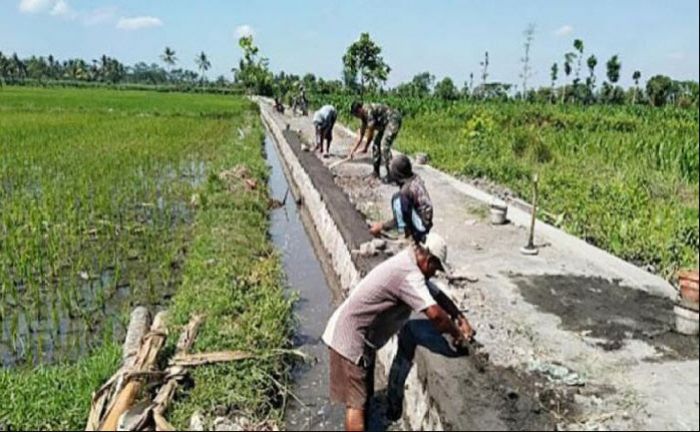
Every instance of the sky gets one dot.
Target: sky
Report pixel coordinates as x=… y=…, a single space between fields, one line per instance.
x=444 y=37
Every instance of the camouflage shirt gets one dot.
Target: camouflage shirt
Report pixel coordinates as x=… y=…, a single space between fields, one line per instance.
x=414 y=189
x=380 y=115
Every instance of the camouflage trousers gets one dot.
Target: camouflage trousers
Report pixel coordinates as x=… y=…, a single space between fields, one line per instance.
x=383 y=141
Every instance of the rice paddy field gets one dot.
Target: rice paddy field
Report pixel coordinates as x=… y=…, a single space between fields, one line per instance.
x=624 y=178
x=112 y=199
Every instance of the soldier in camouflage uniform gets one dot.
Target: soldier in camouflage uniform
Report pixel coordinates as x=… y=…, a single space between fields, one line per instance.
x=411 y=206
x=381 y=123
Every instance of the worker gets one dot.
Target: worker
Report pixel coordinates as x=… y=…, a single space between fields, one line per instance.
x=411 y=207
x=324 y=120
x=377 y=309
x=382 y=125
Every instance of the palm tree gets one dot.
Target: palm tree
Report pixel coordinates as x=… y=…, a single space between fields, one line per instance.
x=169 y=58
x=203 y=64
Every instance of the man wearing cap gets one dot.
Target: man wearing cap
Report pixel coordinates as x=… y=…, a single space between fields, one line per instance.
x=382 y=125
x=376 y=310
x=324 y=120
x=411 y=206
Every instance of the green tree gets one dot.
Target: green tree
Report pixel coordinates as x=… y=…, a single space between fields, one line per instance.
x=446 y=90
x=659 y=90
x=611 y=91
x=363 y=66
x=578 y=46
x=592 y=62
x=553 y=74
x=636 y=76
x=169 y=58
x=568 y=59
x=253 y=72
x=203 y=64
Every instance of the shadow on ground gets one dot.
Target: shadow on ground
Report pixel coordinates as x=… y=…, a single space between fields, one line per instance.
x=608 y=311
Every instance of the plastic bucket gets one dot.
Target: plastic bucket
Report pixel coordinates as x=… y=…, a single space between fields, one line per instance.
x=686 y=320
x=499 y=212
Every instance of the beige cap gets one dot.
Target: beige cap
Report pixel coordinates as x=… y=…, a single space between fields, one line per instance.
x=437 y=247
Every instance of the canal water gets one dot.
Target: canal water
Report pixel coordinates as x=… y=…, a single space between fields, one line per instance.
x=309 y=407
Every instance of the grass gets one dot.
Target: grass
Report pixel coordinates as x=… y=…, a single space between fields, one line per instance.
x=54 y=397
x=95 y=217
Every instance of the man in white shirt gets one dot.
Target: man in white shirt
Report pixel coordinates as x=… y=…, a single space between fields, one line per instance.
x=376 y=310
x=324 y=120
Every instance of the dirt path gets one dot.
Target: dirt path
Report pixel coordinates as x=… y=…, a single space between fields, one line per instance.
x=564 y=333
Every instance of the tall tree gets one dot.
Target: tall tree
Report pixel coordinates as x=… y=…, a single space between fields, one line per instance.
x=578 y=46
x=363 y=61
x=636 y=77
x=203 y=64
x=169 y=58
x=253 y=72
x=592 y=62
x=553 y=74
x=611 y=92
x=529 y=34
x=568 y=59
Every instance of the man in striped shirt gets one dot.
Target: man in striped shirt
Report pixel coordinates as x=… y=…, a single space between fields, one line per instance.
x=377 y=309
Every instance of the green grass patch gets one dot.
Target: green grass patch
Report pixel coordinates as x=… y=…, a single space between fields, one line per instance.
x=54 y=397
x=97 y=216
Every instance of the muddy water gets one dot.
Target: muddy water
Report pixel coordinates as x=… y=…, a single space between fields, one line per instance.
x=305 y=276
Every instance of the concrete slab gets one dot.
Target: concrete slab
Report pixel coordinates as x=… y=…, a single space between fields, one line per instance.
x=572 y=305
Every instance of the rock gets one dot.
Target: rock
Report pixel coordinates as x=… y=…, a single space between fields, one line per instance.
x=197 y=422
x=379 y=244
x=226 y=424
x=421 y=158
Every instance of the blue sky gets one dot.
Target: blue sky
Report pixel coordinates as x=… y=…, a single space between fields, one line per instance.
x=445 y=37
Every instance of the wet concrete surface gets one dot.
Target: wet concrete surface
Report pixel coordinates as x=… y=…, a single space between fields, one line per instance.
x=608 y=311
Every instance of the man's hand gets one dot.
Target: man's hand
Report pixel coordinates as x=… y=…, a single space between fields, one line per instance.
x=376 y=229
x=467 y=331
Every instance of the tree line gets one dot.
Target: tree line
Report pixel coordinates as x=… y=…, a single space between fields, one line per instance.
x=365 y=72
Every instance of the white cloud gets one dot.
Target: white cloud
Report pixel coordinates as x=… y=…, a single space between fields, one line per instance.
x=564 y=30
x=677 y=55
x=138 y=23
x=244 y=30
x=62 y=9
x=99 y=15
x=35 y=6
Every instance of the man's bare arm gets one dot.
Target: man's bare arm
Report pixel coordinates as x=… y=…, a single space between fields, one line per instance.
x=361 y=134
x=452 y=310
x=442 y=321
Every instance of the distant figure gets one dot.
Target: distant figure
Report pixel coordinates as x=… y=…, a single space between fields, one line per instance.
x=378 y=308
x=279 y=107
x=411 y=206
x=300 y=102
x=324 y=120
x=383 y=121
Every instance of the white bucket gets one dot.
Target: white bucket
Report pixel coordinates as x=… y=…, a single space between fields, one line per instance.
x=686 y=320
x=499 y=211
